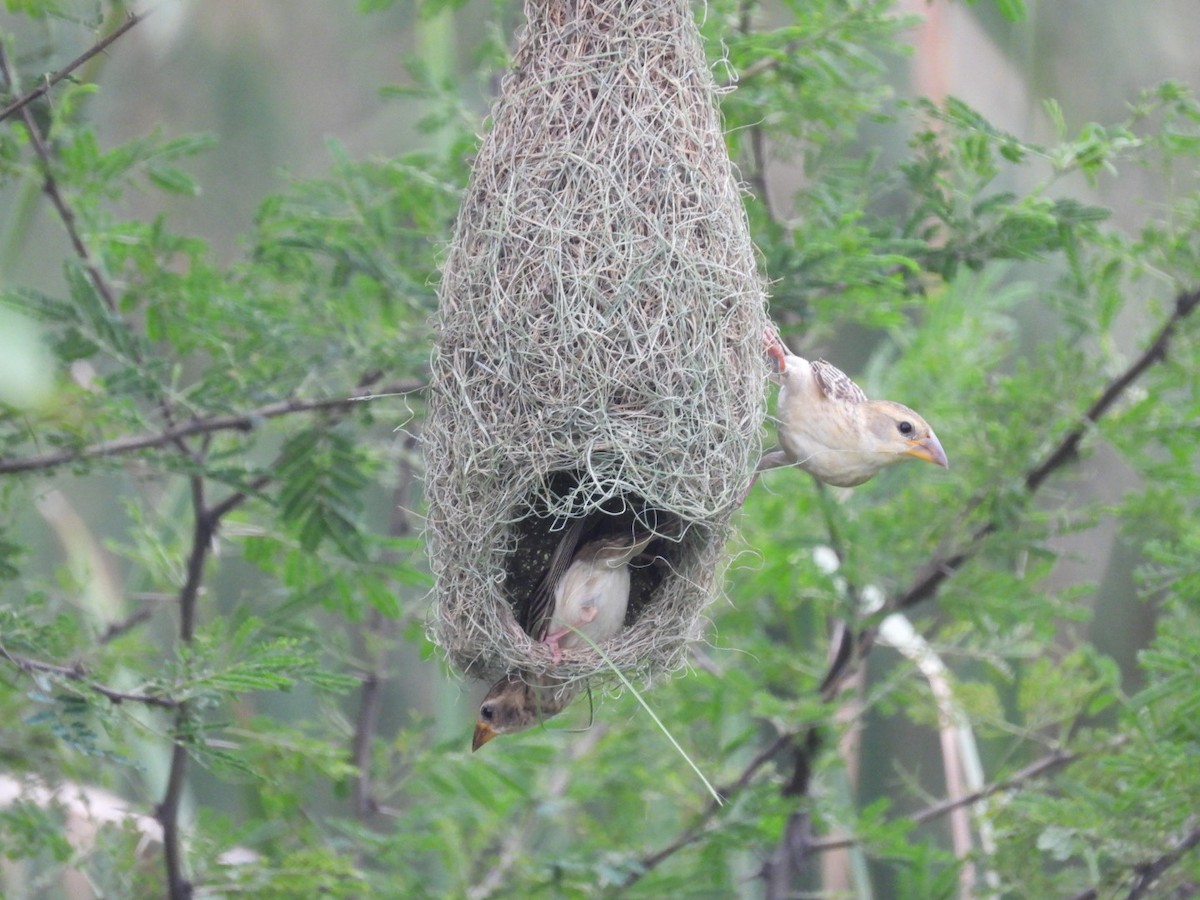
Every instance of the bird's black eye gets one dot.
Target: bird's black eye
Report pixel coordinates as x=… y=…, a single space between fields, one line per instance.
x=486 y=712
x=905 y=427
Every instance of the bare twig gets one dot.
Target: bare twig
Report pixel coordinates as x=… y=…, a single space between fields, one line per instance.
x=130 y=622
x=65 y=213
x=77 y=674
x=1050 y=762
x=237 y=422
x=1146 y=874
x=50 y=81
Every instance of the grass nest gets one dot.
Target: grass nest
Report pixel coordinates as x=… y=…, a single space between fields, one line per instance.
x=599 y=339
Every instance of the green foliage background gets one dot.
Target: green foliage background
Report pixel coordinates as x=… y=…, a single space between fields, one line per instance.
x=175 y=438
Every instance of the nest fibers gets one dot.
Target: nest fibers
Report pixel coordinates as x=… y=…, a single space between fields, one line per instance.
x=599 y=346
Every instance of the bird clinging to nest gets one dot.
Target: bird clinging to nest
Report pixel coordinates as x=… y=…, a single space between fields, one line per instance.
x=580 y=601
x=829 y=428
x=517 y=702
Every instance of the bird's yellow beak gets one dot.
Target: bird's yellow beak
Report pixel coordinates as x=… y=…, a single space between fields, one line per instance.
x=483 y=733
x=930 y=450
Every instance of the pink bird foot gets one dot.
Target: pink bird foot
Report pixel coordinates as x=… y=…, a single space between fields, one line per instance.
x=775 y=348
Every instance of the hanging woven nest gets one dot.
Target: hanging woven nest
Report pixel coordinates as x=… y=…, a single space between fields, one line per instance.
x=599 y=340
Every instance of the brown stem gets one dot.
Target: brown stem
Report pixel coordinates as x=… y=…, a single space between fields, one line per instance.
x=1039 y=767
x=50 y=81
x=65 y=214
x=236 y=422
x=77 y=673
x=206 y=521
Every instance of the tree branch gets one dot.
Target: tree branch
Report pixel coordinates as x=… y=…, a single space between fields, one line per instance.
x=130 y=622
x=50 y=81
x=938 y=570
x=203 y=531
x=235 y=422
x=1055 y=760
x=77 y=674
x=206 y=521
x=65 y=214
x=1156 y=351
x=798 y=838
x=704 y=820
x=1146 y=874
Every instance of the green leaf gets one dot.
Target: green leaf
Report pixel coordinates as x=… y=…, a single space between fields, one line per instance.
x=173 y=180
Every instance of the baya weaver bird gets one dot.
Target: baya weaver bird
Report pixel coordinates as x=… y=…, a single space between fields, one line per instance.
x=829 y=428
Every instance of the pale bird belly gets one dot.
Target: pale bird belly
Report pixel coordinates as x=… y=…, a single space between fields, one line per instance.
x=841 y=468
x=607 y=593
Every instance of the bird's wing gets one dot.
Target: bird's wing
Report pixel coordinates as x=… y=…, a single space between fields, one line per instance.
x=836 y=384
x=535 y=616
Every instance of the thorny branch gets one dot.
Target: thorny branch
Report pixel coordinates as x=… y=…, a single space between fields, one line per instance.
x=926 y=585
x=247 y=421
x=50 y=81
x=78 y=674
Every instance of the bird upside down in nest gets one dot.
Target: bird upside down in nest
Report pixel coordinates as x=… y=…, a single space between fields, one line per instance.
x=580 y=601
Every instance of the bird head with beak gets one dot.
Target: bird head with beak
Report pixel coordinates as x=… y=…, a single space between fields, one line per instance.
x=895 y=431
x=515 y=704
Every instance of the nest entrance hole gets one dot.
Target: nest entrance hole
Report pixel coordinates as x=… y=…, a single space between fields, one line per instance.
x=539 y=531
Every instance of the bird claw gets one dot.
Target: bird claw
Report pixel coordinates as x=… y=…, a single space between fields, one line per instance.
x=775 y=348
x=551 y=641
